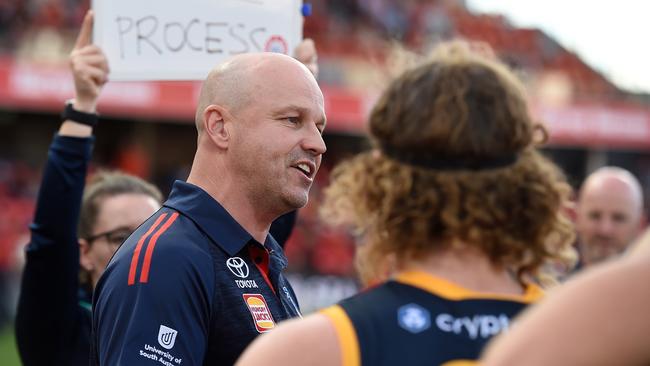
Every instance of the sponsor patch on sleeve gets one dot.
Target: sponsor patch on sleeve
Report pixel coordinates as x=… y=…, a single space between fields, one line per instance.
x=260 y=312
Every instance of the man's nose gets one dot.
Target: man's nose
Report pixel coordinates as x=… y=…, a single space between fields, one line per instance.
x=314 y=142
x=606 y=226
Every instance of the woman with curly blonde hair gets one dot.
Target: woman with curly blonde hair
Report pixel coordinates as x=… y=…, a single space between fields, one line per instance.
x=458 y=214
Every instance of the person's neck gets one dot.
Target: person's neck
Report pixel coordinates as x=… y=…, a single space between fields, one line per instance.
x=225 y=191
x=469 y=268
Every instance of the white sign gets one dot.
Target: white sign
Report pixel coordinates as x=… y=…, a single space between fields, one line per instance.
x=185 y=39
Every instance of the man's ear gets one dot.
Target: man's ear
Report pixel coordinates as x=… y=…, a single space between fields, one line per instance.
x=216 y=124
x=84 y=256
x=643 y=222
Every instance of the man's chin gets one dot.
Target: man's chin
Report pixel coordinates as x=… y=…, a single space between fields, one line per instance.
x=605 y=246
x=602 y=250
x=296 y=200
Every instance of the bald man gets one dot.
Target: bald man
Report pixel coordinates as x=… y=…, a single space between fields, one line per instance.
x=600 y=317
x=201 y=278
x=610 y=214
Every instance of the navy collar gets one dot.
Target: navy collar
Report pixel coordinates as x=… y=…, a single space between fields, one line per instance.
x=213 y=219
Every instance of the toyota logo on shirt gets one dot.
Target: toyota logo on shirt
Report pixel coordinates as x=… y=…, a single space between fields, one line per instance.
x=238 y=267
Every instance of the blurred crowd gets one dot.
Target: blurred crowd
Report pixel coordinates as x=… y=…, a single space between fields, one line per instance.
x=31 y=27
x=18 y=189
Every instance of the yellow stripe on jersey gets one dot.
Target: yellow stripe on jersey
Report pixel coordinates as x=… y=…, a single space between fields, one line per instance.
x=348 y=342
x=460 y=363
x=451 y=291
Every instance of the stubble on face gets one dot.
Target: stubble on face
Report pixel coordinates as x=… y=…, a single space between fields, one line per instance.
x=268 y=148
x=609 y=213
x=604 y=231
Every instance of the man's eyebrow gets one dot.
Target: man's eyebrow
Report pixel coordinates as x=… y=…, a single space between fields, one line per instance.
x=290 y=108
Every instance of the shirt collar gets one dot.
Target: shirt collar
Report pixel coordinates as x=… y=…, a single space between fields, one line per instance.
x=452 y=291
x=275 y=250
x=213 y=219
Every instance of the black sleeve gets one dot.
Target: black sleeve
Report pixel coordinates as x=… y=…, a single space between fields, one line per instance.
x=283 y=226
x=48 y=318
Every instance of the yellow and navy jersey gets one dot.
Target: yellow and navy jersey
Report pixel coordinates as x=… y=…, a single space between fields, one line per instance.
x=419 y=319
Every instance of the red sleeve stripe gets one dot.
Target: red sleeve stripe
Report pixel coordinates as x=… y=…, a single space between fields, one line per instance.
x=136 y=252
x=144 y=275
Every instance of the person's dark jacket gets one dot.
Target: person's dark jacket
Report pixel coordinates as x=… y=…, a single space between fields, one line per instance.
x=52 y=322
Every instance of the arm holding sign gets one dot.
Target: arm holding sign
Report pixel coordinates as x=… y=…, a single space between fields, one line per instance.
x=90 y=72
x=306 y=53
x=64 y=231
x=60 y=333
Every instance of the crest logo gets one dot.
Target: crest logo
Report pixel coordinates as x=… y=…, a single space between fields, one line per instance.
x=166 y=337
x=414 y=318
x=237 y=266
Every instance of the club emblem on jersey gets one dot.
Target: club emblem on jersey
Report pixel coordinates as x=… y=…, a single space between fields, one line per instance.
x=413 y=318
x=166 y=337
x=262 y=317
x=237 y=266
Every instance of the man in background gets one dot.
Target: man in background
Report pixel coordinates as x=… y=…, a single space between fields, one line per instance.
x=600 y=317
x=609 y=214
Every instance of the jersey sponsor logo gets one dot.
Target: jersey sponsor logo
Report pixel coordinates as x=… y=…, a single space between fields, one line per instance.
x=484 y=326
x=260 y=312
x=413 y=318
x=237 y=266
x=246 y=283
x=166 y=337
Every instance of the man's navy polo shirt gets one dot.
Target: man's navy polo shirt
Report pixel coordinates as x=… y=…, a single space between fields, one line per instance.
x=189 y=287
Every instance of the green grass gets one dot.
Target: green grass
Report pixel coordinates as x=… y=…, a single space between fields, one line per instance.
x=8 y=352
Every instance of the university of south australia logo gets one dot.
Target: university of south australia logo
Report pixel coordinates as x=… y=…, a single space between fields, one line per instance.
x=166 y=337
x=237 y=266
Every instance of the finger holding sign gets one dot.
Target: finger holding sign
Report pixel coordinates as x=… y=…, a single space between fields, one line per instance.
x=306 y=53
x=89 y=68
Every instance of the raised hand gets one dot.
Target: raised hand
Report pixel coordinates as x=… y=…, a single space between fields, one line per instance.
x=305 y=52
x=89 y=68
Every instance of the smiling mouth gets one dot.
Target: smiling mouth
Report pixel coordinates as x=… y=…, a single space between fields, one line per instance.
x=305 y=169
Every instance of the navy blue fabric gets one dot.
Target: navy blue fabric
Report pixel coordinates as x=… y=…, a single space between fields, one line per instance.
x=190 y=289
x=282 y=227
x=456 y=329
x=52 y=327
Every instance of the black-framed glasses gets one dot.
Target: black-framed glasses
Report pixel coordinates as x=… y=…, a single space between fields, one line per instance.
x=114 y=237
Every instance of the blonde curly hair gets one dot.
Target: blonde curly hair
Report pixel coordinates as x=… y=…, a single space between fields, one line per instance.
x=454 y=161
